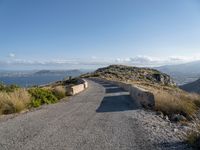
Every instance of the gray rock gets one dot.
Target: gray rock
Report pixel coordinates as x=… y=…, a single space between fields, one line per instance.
x=160 y=114
x=166 y=118
x=175 y=130
x=178 y=117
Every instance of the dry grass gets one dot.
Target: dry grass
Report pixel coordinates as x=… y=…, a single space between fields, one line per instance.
x=193 y=138
x=172 y=100
x=12 y=102
x=59 y=92
x=175 y=103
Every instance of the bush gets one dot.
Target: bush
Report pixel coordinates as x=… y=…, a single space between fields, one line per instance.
x=41 y=96
x=175 y=103
x=193 y=139
x=13 y=102
x=8 y=88
x=72 y=81
x=36 y=103
x=59 y=92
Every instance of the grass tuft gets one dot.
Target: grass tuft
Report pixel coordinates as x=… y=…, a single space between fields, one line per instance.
x=59 y=92
x=16 y=101
x=175 y=103
x=193 y=138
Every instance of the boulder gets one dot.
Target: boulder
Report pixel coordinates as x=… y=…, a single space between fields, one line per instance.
x=178 y=117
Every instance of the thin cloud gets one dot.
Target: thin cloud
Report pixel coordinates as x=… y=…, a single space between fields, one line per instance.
x=11 y=55
x=146 y=61
x=140 y=61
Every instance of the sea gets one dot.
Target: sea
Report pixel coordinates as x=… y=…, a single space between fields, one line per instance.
x=28 y=81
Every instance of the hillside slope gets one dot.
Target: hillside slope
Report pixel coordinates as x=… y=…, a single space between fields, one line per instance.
x=192 y=87
x=182 y=73
x=133 y=74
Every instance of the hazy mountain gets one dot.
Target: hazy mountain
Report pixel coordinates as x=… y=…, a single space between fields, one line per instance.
x=30 y=78
x=183 y=73
x=192 y=87
x=18 y=73
x=58 y=72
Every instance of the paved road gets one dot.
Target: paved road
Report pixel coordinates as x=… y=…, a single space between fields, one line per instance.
x=97 y=119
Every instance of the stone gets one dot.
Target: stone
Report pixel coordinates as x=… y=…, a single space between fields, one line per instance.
x=166 y=118
x=160 y=114
x=175 y=130
x=178 y=117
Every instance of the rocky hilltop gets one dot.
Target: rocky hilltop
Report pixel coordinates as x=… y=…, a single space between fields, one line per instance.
x=133 y=74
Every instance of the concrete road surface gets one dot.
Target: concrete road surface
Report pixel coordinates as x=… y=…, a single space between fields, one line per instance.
x=96 y=119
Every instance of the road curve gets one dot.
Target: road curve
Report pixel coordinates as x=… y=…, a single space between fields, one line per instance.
x=96 y=119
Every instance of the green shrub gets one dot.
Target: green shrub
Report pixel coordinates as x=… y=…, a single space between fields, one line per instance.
x=41 y=96
x=8 y=88
x=36 y=102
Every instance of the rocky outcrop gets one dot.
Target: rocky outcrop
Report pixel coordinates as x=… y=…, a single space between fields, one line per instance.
x=162 y=78
x=128 y=73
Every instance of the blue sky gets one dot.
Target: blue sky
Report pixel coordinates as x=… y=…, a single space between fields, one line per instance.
x=62 y=34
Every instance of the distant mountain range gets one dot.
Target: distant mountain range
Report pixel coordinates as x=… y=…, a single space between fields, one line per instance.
x=41 y=73
x=192 y=87
x=182 y=73
x=30 y=78
x=58 y=72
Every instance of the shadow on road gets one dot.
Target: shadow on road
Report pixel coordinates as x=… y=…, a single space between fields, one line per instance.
x=117 y=99
x=178 y=145
x=114 y=90
x=108 y=85
x=116 y=103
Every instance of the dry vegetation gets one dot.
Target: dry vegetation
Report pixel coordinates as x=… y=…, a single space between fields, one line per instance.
x=172 y=100
x=176 y=103
x=59 y=91
x=14 y=99
x=12 y=102
x=193 y=138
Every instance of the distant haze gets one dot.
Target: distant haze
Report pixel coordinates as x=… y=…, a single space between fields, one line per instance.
x=183 y=73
